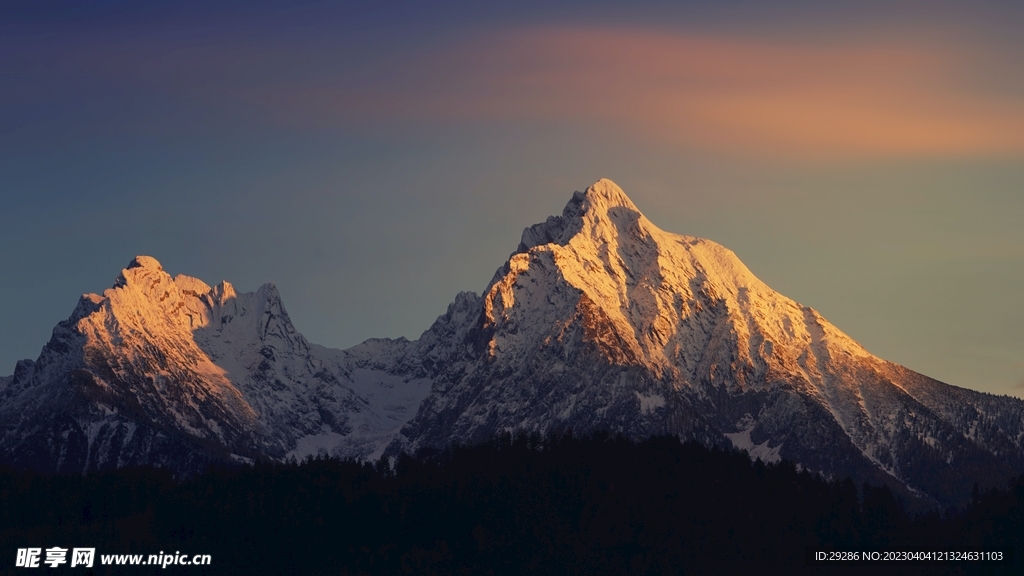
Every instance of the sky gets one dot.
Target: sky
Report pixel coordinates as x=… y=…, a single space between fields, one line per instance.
x=373 y=159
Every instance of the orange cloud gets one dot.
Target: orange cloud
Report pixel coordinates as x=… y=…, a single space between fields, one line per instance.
x=735 y=96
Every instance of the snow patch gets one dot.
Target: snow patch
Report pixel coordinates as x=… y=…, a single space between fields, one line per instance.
x=648 y=404
x=323 y=444
x=741 y=440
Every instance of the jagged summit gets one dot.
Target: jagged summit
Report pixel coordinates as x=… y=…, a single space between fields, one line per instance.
x=646 y=293
x=145 y=262
x=601 y=196
x=601 y=204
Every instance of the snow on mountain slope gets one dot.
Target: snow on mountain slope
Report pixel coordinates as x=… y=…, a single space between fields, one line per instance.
x=172 y=371
x=600 y=320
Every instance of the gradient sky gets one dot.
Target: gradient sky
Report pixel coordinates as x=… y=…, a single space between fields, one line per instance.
x=373 y=159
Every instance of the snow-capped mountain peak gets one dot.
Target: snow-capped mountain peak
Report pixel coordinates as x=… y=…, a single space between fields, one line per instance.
x=649 y=297
x=173 y=371
x=596 y=209
x=601 y=320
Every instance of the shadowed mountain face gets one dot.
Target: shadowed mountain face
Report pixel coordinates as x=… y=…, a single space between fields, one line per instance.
x=598 y=321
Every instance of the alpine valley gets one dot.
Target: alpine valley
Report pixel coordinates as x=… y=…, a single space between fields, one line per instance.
x=599 y=321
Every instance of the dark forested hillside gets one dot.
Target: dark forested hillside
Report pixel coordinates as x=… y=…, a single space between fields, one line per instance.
x=597 y=505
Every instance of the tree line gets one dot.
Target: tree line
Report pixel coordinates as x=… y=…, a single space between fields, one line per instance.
x=514 y=505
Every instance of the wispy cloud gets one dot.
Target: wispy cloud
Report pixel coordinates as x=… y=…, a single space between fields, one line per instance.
x=733 y=95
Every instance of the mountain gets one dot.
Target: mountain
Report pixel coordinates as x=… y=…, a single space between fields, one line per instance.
x=602 y=321
x=176 y=373
x=598 y=321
